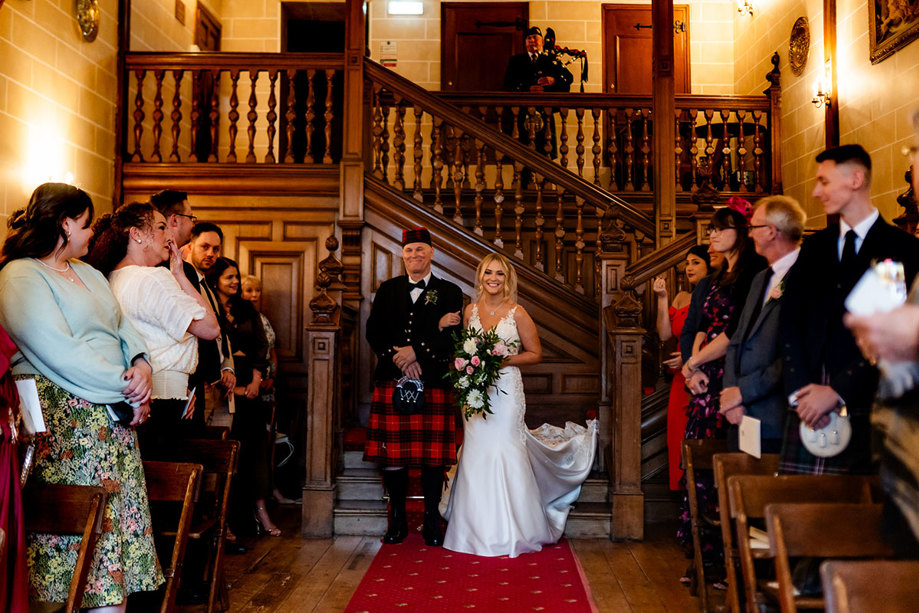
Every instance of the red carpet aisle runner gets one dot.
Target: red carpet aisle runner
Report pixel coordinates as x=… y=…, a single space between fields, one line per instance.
x=413 y=577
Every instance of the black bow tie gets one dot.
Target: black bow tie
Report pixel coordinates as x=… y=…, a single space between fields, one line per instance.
x=419 y=285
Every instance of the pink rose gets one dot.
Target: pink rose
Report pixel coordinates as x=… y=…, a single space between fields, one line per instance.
x=459 y=363
x=475 y=361
x=500 y=349
x=470 y=370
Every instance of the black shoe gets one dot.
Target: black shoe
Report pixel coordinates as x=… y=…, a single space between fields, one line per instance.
x=433 y=536
x=234 y=548
x=398 y=527
x=396 y=483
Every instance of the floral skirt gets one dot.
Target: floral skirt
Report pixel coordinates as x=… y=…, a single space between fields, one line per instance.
x=82 y=446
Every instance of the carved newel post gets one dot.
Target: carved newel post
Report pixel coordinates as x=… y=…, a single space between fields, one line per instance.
x=323 y=337
x=623 y=325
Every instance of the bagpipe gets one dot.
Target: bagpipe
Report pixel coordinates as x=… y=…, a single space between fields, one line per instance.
x=551 y=49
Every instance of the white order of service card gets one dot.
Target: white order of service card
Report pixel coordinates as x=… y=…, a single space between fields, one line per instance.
x=750 y=441
x=32 y=417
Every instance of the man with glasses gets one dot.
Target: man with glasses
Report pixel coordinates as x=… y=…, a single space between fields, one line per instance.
x=753 y=363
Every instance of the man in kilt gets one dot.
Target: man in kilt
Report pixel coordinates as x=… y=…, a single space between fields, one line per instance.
x=410 y=330
x=822 y=364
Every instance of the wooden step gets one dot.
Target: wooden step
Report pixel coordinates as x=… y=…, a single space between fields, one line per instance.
x=589 y=520
x=595 y=488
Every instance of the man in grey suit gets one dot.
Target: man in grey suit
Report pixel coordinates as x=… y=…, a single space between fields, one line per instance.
x=753 y=364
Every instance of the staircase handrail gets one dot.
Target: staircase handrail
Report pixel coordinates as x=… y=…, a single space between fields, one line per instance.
x=509 y=146
x=658 y=262
x=155 y=60
x=571 y=100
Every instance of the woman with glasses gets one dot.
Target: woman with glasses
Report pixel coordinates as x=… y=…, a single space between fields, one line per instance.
x=718 y=299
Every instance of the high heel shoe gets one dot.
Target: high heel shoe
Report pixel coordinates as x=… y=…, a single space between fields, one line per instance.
x=265 y=525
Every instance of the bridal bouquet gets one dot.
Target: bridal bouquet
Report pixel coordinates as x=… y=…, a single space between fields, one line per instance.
x=476 y=367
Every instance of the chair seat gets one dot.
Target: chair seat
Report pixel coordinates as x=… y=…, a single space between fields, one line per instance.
x=199 y=528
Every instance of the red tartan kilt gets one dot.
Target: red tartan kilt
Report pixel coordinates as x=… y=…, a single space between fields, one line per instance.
x=424 y=439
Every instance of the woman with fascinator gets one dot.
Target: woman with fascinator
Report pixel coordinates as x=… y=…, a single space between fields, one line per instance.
x=716 y=305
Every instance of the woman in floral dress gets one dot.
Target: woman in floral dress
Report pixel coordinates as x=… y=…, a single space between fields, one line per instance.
x=717 y=301
x=83 y=355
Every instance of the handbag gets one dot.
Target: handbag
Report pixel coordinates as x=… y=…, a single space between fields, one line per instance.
x=832 y=439
x=121 y=413
x=408 y=396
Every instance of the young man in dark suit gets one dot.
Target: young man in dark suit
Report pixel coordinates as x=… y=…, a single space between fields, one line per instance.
x=753 y=363
x=822 y=363
x=410 y=330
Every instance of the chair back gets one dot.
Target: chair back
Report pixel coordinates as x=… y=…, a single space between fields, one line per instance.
x=727 y=465
x=172 y=482
x=68 y=509
x=821 y=530
x=858 y=586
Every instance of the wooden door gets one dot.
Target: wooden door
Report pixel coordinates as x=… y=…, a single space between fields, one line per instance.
x=627 y=49
x=476 y=41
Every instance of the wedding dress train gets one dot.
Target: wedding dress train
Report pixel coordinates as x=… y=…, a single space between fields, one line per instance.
x=513 y=487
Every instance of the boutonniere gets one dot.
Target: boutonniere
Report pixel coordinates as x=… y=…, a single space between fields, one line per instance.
x=776 y=292
x=430 y=297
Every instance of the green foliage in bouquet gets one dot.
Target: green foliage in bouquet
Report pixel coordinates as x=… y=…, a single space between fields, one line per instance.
x=478 y=359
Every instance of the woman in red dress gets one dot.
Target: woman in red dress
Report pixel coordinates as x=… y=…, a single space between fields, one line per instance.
x=670 y=322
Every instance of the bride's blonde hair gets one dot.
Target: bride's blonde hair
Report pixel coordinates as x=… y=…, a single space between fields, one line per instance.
x=510 y=276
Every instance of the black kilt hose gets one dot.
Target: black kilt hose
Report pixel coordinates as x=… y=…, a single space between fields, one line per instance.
x=427 y=438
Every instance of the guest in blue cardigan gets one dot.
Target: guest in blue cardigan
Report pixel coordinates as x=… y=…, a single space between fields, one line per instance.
x=90 y=368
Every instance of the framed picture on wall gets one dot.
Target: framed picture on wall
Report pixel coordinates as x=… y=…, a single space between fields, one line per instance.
x=892 y=24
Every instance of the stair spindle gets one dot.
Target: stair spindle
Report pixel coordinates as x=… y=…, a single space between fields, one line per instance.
x=596 y=150
x=418 y=155
x=214 y=116
x=518 y=212
x=499 y=198
x=563 y=138
x=384 y=143
x=376 y=132
x=272 y=115
x=559 y=235
x=629 y=150
x=758 y=152
x=233 y=114
x=398 y=143
x=252 y=116
x=678 y=151
x=176 y=114
x=195 y=116
x=479 y=186
x=438 y=163
x=309 y=158
x=579 y=246
x=329 y=115
x=579 y=149
x=137 y=156
x=693 y=149
x=157 y=115
x=613 y=150
x=548 y=121
x=458 y=176
x=741 y=149
x=645 y=178
x=538 y=222
x=290 y=115
x=725 y=150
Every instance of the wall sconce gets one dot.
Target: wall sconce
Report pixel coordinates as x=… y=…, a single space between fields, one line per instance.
x=745 y=9
x=823 y=91
x=405 y=7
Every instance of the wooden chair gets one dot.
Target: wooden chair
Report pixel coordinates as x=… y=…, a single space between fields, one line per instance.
x=860 y=587
x=728 y=465
x=68 y=509
x=218 y=458
x=169 y=483
x=697 y=456
x=220 y=433
x=748 y=496
x=821 y=530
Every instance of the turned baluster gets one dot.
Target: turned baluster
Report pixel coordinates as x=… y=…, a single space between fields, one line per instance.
x=195 y=116
x=418 y=155
x=290 y=115
x=725 y=150
x=515 y=124
x=272 y=115
x=158 y=115
x=645 y=151
x=233 y=114
x=458 y=166
x=438 y=164
x=499 y=198
x=563 y=138
x=467 y=157
x=629 y=150
x=548 y=118
x=310 y=117
x=252 y=116
x=579 y=247
x=398 y=143
x=741 y=149
x=376 y=131
x=693 y=149
x=538 y=222
x=449 y=142
x=214 y=116
x=518 y=212
x=758 y=152
x=678 y=151
x=613 y=150
x=176 y=114
x=559 y=235
x=709 y=139
x=384 y=143
x=479 y=186
x=530 y=124
x=579 y=148
x=329 y=116
x=138 y=115
x=596 y=150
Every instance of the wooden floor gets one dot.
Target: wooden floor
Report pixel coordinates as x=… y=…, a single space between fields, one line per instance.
x=290 y=574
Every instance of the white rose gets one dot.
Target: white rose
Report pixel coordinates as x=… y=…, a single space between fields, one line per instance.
x=463 y=383
x=470 y=346
x=475 y=399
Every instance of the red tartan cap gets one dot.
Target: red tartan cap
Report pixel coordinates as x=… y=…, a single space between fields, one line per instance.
x=416 y=235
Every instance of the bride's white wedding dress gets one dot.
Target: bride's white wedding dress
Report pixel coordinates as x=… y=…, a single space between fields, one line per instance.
x=513 y=487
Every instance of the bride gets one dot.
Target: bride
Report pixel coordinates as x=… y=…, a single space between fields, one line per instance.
x=513 y=487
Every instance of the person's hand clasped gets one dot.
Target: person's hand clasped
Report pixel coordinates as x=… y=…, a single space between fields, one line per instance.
x=815 y=403
x=659 y=286
x=140 y=382
x=141 y=413
x=675 y=361
x=546 y=81
x=697 y=383
x=450 y=319
x=730 y=398
x=251 y=391
x=228 y=381
x=403 y=356
x=734 y=415
x=689 y=367
x=893 y=337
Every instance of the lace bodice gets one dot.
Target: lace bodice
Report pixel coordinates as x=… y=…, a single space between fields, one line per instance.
x=506 y=328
